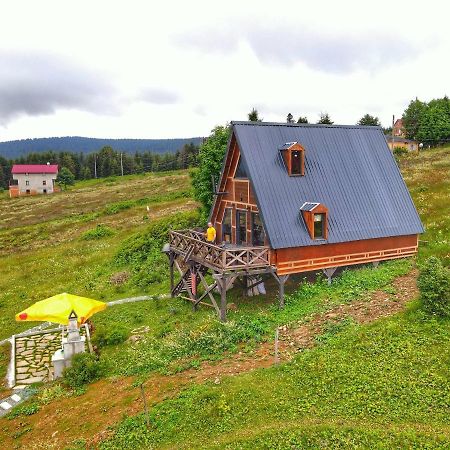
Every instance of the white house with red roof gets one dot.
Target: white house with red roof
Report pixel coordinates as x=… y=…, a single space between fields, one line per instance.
x=33 y=179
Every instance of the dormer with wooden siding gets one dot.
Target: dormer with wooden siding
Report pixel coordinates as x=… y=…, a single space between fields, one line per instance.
x=293 y=155
x=315 y=216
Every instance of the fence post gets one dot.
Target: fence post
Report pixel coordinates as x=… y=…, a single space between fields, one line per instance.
x=277 y=360
x=145 y=405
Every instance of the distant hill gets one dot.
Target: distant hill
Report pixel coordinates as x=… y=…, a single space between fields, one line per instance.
x=76 y=144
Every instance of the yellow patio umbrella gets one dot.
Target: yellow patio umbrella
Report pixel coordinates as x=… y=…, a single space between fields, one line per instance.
x=58 y=308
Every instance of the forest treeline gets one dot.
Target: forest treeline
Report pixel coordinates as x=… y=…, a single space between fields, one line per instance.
x=106 y=162
x=76 y=144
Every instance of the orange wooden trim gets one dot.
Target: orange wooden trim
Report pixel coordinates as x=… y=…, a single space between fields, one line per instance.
x=241 y=205
x=344 y=260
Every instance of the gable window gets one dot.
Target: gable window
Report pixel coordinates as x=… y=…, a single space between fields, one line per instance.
x=258 y=235
x=240 y=170
x=226 y=225
x=319 y=225
x=27 y=183
x=44 y=182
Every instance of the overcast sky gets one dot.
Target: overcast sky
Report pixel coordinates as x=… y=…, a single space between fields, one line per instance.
x=144 y=69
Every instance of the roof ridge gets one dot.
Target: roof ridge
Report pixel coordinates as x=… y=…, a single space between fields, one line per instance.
x=302 y=125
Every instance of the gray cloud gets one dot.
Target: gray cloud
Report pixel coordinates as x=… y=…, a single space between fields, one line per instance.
x=159 y=96
x=287 y=45
x=39 y=83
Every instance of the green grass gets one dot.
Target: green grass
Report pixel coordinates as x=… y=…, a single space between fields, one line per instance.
x=179 y=338
x=379 y=384
x=43 y=258
x=428 y=178
x=383 y=385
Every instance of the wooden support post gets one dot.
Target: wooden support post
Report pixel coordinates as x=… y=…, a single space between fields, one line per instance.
x=171 y=263
x=245 y=283
x=223 y=298
x=375 y=264
x=193 y=276
x=281 y=281
x=329 y=271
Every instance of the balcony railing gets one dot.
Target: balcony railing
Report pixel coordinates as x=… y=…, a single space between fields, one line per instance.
x=192 y=245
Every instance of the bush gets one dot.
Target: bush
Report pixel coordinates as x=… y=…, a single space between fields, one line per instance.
x=28 y=409
x=85 y=369
x=115 y=208
x=400 y=151
x=434 y=286
x=100 y=231
x=110 y=336
x=142 y=251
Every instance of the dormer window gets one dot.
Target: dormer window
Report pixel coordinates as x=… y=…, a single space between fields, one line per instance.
x=315 y=217
x=294 y=158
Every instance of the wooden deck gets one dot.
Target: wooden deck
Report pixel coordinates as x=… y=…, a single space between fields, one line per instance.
x=191 y=245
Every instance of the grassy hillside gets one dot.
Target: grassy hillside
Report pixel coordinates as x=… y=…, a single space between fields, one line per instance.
x=44 y=241
x=346 y=383
x=428 y=178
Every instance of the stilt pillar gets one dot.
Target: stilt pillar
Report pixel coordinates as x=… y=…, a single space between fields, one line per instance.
x=329 y=272
x=375 y=264
x=171 y=264
x=223 y=298
x=281 y=281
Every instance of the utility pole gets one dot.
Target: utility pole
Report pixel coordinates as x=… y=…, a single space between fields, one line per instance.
x=95 y=165
x=121 y=162
x=392 y=133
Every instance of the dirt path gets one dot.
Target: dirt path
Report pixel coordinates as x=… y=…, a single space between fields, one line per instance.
x=106 y=402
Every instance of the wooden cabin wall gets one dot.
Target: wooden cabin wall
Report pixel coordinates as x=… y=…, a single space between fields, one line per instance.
x=239 y=196
x=302 y=259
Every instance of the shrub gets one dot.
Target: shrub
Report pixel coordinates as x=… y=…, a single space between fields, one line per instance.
x=100 y=231
x=85 y=369
x=434 y=286
x=400 y=151
x=28 y=409
x=142 y=251
x=51 y=393
x=114 y=208
x=110 y=336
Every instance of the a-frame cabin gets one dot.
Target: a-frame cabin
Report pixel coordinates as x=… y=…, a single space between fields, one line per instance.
x=296 y=198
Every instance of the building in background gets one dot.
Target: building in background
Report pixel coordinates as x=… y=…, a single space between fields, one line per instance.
x=33 y=179
x=401 y=142
x=398 y=129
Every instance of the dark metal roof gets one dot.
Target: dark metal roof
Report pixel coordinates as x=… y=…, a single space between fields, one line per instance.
x=348 y=169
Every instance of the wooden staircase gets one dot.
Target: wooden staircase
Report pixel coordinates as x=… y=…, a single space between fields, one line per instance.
x=186 y=280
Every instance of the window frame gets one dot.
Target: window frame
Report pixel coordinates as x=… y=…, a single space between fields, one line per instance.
x=230 y=211
x=241 y=213
x=253 y=215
